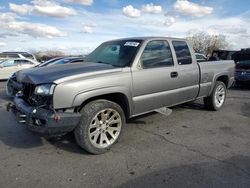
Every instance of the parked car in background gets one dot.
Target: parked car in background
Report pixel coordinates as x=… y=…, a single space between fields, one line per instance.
x=13 y=86
x=224 y=54
x=15 y=55
x=49 y=61
x=120 y=79
x=242 y=68
x=61 y=61
x=200 y=57
x=8 y=67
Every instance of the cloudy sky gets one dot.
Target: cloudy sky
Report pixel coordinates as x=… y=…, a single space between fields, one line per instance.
x=78 y=26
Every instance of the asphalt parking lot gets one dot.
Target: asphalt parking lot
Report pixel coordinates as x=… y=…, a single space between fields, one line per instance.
x=190 y=148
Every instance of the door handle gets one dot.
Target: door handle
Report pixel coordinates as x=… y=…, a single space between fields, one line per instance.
x=174 y=74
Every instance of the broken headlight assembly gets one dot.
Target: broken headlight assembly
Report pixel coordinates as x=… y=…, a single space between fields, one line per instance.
x=46 y=89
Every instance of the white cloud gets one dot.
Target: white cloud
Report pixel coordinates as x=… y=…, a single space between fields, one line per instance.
x=7 y=34
x=88 y=28
x=20 y=9
x=7 y=17
x=170 y=20
x=44 y=8
x=192 y=9
x=43 y=2
x=2 y=44
x=151 y=8
x=54 y=11
x=8 y=22
x=35 y=29
x=130 y=11
x=235 y=28
x=83 y=2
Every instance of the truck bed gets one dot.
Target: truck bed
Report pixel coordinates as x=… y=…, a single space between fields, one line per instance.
x=211 y=70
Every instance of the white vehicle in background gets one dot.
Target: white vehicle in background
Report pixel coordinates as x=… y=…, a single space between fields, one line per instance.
x=10 y=66
x=200 y=57
x=15 y=55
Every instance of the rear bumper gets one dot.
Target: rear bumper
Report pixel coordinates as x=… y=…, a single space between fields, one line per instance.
x=43 y=121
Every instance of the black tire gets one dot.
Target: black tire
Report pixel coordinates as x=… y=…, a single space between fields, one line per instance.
x=89 y=112
x=210 y=101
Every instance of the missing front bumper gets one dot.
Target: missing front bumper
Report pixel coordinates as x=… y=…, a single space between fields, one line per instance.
x=43 y=121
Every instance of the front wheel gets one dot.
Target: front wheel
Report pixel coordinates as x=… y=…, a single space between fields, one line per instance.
x=217 y=98
x=100 y=127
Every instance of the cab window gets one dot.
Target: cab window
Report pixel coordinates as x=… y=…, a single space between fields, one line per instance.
x=157 y=54
x=182 y=52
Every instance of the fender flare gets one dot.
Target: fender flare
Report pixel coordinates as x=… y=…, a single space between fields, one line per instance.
x=80 y=98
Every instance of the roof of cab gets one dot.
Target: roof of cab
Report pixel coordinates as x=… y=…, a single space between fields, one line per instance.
x=148 y=38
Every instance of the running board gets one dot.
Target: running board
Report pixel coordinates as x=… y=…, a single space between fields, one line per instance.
x=164 y=111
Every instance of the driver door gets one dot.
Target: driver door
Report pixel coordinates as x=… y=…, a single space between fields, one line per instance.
x=154 y=82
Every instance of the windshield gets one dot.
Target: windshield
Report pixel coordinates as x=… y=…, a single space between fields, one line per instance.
x=8 y=63
x=116 y=53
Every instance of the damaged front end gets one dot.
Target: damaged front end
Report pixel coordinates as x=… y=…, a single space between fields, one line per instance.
x=33 y=107
x=37 y=97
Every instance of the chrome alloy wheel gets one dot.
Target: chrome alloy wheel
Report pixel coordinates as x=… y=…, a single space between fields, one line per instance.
x=219 y=96
x=105 y=128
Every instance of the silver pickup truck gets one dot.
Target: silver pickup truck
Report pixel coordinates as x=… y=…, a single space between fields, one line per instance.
x=120 y=79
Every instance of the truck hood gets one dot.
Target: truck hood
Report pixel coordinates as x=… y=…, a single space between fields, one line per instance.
x=61 y=73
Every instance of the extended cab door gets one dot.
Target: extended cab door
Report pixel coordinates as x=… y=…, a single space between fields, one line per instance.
x=188 y=71
x=154 y=78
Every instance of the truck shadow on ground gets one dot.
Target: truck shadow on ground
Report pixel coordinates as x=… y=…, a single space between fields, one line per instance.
x=232 y=172
x=11 y=133
x=190 y=105
x=68 y=143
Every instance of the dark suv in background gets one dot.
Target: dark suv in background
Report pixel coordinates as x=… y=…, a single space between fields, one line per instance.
x=242 y=68
x=225 y=54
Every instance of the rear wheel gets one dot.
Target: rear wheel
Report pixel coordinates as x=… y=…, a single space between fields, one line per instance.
x=217 y=98
x=100 y=127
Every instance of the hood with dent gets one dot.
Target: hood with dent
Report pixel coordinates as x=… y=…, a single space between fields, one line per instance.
x=60 y=73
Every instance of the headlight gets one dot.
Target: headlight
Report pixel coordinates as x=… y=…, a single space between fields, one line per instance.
x=46 y=89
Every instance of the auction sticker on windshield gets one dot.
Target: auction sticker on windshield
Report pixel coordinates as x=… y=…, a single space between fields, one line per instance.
x=134 y=44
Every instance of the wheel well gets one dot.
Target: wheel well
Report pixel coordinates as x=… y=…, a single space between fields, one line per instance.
x=223 y=79
x=118 y=98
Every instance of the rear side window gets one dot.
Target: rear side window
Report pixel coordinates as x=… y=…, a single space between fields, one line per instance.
x=182 y=52
x=157 y=54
